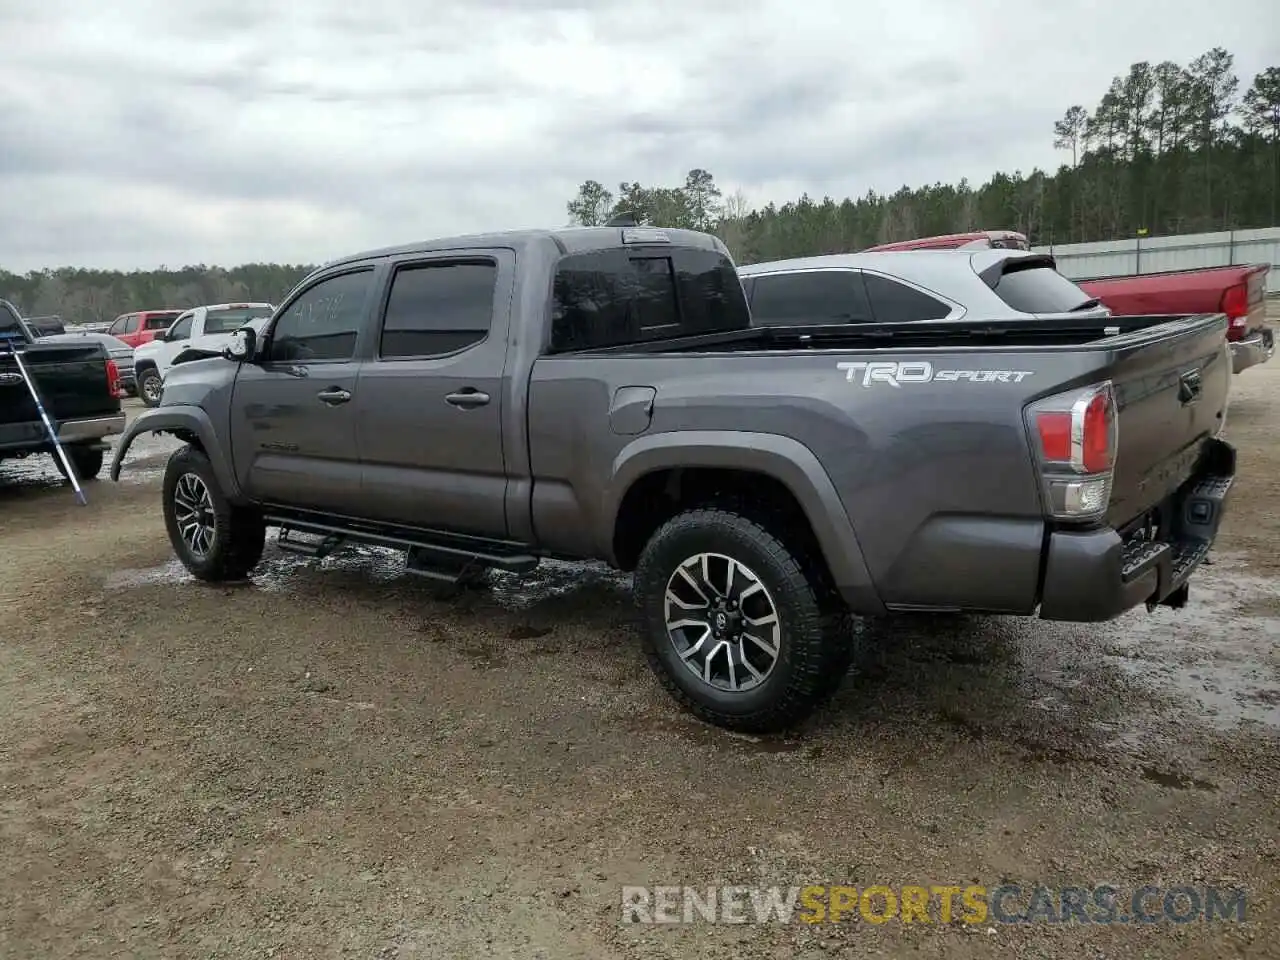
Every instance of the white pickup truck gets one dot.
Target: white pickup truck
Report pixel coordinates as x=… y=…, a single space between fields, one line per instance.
x=200 y=328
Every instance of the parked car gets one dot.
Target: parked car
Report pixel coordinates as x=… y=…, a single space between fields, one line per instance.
x=119 y=351
x=916 y=286
x=198 y=329
x=79 y=386
x=762 y=484
x=1238 y=291
x=142 y=326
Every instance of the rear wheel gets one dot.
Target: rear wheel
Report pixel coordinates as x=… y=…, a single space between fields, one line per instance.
x=733 y=627
x=215 y=539
x=149 y=386
x=87 y=462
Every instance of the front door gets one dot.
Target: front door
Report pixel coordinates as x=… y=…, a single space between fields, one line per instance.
x=431 y=404
x=293 y=412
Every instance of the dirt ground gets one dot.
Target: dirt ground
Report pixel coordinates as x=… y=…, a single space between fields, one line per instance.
x=333 y=762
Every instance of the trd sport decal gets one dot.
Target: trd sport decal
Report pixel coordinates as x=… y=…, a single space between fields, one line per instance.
x=895 y=374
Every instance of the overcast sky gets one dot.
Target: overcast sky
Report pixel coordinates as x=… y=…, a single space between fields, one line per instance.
x=136 y=133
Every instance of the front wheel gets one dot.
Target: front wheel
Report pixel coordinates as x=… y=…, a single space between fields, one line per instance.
x=150 y=386
x=733 y=627
x=213 y=538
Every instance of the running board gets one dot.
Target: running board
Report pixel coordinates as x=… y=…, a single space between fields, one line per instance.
x=425 y=558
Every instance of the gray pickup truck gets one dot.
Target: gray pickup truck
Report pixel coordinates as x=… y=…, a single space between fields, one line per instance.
x=484 y=402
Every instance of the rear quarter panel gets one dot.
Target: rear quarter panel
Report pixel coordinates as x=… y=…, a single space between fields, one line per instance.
x=936 y=477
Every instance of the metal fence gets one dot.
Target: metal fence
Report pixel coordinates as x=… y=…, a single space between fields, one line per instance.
x=1111 y=258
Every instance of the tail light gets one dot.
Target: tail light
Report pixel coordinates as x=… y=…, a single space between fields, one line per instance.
x=1235 y=304
x=113 y=380
x=1075 y=435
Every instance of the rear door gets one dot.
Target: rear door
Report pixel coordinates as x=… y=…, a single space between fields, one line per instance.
x=293 y=436
x=429 y=407
x=802 y=298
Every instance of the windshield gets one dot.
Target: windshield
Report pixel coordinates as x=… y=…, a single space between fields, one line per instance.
x=228 y=319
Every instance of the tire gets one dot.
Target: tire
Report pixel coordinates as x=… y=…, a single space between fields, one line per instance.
x=232 y=543
x=813 y=641
x=86 y=460
x=149 y=385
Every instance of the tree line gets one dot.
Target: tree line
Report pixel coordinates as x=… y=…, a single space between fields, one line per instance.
x=1167 y=149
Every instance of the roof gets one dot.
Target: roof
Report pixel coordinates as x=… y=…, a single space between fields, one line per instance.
x=923 y=267
x=567 y=239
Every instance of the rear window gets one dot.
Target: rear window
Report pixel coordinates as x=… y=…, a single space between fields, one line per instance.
x=1039 y=290
x=160 y=321
x=615 y=297
x=229 y=319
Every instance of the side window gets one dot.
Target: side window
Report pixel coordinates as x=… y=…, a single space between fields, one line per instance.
x=182 y=329
x=611 y=298
x=323 y=322
x=894 y=302
x=125 y=324
x=159 y=321
x=117 y=326
x=438 y=308
x=809 y=298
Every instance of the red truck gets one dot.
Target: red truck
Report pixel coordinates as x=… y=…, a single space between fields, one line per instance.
x=1239 y=291
x=142 y=326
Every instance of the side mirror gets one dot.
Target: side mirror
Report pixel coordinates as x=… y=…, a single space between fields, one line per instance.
x=243 y=344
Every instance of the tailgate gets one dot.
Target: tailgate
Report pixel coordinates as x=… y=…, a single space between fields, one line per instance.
x=1171 y=395
x=71 y=378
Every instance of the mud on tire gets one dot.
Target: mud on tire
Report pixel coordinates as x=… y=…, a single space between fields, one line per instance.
x=813 y=641
x=232 y=543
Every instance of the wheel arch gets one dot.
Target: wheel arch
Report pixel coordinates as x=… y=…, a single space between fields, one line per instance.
x=191 y=425
x=662 y=461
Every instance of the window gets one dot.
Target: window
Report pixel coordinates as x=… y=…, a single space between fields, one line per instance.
x=182 y=329
x=894 y=302
x=323 y=322
x=439 y=308
x=160 y=321
x=616 y=297
x=229 y=319
x=810 y=297
x=1039 y=289
x=125 y=324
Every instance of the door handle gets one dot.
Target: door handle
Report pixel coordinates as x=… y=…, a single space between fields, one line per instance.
x=1189 y=387
x=467 y=398
x=334 y=396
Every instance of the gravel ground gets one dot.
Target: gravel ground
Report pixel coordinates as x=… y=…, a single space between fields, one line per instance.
x=332 y=761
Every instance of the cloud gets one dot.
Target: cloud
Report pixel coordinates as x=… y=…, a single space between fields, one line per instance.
x=138 y=132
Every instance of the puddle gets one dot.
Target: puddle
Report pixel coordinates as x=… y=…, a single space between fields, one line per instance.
x=1066 y=691
x=1221 y=652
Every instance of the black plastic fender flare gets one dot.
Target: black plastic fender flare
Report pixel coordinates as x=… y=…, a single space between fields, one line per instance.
x=189 y=423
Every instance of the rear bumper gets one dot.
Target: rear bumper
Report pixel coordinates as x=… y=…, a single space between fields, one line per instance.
x=1252 y=350
x=29 y=437
x=1094 y=575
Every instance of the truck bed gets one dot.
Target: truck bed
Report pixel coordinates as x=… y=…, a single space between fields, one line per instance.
x=920 y=428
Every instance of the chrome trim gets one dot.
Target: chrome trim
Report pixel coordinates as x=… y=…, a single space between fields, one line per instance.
x=95 y=429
